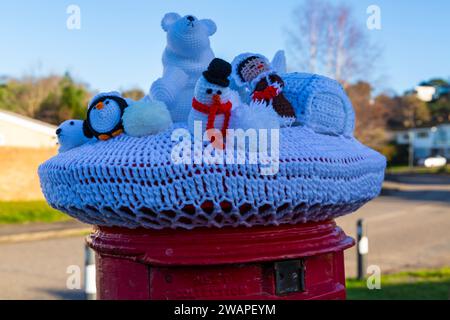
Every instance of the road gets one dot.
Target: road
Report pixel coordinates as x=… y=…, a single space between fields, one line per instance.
x=407 y=231
x=37 y=270
x=403 y=234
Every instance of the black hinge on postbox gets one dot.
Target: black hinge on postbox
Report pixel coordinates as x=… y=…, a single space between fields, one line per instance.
x=289 y=276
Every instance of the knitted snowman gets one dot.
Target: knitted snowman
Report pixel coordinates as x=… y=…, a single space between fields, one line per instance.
x=255 y=72
x=212 y=103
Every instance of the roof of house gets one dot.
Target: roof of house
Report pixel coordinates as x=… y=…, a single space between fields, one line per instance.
x=26 y=122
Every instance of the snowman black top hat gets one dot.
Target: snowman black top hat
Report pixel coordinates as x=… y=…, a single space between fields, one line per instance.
x=218 y=72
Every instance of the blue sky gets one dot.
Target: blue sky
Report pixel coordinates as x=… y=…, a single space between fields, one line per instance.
x=120 y=42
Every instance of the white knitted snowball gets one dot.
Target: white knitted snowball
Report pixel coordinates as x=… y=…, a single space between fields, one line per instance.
x=256 y=115
x=146 y=117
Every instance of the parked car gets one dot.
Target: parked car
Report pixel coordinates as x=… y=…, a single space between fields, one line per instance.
x=433 y=162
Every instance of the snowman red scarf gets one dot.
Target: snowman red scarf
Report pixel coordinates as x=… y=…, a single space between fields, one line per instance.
x=213 y=110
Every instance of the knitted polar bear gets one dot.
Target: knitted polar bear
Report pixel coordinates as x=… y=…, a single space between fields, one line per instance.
x=187 y=55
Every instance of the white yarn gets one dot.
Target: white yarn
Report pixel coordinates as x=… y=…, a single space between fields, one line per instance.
x=71 y=135
x=187 y=55
x=256 y=115
x=145 y=117
x=278 y=63
x=286 y=122
x=320 y=103
x=207 y=99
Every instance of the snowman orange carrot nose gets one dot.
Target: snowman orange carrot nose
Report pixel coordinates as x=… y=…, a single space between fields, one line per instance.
x=99 y=106
x=216 y=98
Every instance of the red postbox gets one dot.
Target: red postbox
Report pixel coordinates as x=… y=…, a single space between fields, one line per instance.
x=302 y=261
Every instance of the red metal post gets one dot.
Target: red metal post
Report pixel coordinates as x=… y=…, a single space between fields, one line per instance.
x=303 y=261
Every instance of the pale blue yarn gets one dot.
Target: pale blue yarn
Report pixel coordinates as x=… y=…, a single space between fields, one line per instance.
x=132 y=182
x=320 y=103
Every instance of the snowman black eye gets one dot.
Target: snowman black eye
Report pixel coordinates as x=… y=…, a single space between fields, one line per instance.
x=219 y=92
x=71 y=123
x=107 y=102
x=209 y=91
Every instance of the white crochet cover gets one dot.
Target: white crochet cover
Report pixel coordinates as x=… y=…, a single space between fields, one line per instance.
x=133 y=182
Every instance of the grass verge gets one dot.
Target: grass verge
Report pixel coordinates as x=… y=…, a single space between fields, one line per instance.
x=411 y=285
x=418 y=170
x=19 y=212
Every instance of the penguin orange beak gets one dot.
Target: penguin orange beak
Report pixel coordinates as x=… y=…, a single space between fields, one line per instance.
x=216 y=99
x=99 y=106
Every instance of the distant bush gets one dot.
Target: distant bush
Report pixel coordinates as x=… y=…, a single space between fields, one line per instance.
x=397 y=154
x=52 y=99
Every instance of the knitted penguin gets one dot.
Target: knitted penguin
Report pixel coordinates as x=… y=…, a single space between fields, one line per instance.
x=109 y=115
x=104 y=115
x=255 y=72
x=212 y=101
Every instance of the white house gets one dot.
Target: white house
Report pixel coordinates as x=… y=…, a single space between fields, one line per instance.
x=24 y=132
x=427 y=141
x=427 y=91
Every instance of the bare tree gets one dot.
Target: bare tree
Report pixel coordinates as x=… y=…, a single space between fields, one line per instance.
x=410 y=112
x=37 y=89
x=326 y=39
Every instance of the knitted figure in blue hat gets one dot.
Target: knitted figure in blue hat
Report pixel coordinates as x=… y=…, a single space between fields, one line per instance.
x=255 y=72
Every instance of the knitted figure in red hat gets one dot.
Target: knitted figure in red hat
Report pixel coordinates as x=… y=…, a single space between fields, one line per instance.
x=255 y=72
